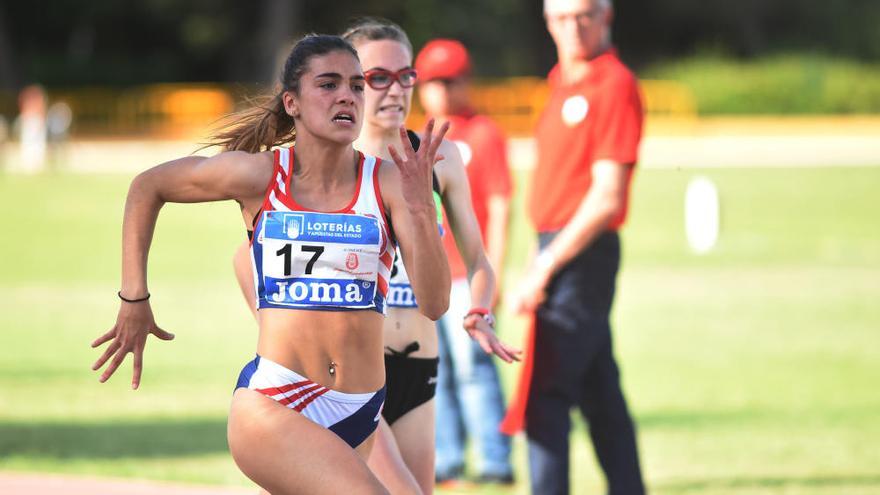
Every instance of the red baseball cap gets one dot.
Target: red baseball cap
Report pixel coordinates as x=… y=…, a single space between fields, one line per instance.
x=443 y=59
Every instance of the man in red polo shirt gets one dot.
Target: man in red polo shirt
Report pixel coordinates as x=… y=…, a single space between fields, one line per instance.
x=468 y=398
x=587 y=139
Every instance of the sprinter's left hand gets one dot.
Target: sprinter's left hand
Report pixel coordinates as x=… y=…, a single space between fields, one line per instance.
x=129 y=335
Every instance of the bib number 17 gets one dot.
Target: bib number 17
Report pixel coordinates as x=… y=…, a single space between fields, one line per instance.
x=287 y=252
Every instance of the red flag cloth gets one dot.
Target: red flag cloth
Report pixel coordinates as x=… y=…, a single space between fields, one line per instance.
x=515 y=419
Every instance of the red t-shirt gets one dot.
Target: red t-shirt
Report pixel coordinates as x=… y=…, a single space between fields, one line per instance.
x=484 y=153
x=599 y=117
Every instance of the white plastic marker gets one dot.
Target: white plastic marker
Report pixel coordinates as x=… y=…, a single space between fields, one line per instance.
x=701 y=214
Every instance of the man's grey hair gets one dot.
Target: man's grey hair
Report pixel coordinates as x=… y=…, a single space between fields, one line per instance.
x=602 y=4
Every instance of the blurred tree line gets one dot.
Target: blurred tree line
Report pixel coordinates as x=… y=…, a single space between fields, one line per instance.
x=63 y=43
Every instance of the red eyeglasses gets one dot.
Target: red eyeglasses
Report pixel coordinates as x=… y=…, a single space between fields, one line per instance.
x=383 y=79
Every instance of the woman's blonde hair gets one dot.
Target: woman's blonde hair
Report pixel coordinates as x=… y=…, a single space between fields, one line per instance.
x=376 y=29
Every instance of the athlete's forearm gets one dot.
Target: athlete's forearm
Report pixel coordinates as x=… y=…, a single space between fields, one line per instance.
x=481 y=278
x=429 y=276
x=139 y=222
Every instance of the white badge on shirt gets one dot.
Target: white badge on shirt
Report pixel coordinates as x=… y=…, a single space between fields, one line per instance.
x=574 y=110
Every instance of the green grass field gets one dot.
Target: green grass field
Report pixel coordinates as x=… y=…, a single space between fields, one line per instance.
x=750 y=370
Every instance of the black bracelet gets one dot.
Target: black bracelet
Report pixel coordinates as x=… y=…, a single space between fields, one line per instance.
x=133 y=300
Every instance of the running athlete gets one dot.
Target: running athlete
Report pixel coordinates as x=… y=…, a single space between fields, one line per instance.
x=403 y=457
x=325 y=222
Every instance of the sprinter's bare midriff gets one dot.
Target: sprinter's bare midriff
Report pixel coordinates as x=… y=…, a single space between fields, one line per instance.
x=341 y=350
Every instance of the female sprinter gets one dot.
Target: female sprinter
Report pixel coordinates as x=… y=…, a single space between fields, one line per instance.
x=403 y=457
x=325 y=222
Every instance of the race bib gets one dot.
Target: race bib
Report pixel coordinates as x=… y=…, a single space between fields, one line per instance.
x=320 y=259
x=400 y=292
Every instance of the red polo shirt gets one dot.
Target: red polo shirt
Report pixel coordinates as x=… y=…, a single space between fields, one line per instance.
x=599 y=117
x=484 y=153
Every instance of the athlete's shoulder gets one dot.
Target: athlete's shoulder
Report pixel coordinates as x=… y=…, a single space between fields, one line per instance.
x=448 y=149
x=249 y=170
x=246 y=159
x=451 y=167
x=451 y=158
x=244 y=162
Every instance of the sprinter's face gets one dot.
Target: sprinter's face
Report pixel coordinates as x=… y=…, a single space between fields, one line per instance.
x=330 y=100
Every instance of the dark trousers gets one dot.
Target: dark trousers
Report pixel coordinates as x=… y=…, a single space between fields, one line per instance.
x=574 y=366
